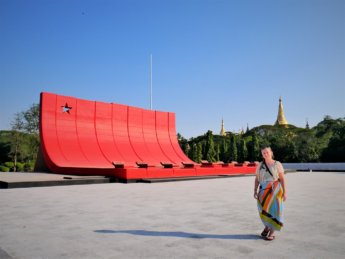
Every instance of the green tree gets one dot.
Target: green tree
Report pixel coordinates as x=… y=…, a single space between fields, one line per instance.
x=31 y=119
x=254 y=148
x=335 y=152
x=24 y=140
x=210 y=148
x=183 y=144
x=232 y=151
x=5 y=146
x=198 y=152
x=217 y=152
x=16 y=139
x=193 y=152
x=224 y=150
x=242 y=150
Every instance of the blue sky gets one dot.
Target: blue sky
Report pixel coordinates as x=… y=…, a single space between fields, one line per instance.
x=211 y=59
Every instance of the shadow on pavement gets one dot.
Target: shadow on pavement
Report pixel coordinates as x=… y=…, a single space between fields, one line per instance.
x=177 y=234
x=4 y=254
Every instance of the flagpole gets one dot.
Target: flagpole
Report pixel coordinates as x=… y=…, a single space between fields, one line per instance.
x=151 y=81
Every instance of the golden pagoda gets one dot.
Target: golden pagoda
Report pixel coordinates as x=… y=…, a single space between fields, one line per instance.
x=281 y=120
x=222 y=130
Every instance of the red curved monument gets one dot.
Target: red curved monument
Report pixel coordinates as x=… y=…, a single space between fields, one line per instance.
x=83 y=137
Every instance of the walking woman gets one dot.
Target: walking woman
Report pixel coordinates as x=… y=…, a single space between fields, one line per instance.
x=270 y=192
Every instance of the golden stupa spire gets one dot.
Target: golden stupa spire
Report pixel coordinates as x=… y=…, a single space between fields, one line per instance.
x=222 y=130
x=281 y=120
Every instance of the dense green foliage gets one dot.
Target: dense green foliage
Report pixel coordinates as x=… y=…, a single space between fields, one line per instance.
x=323 y=143
x=19 y=146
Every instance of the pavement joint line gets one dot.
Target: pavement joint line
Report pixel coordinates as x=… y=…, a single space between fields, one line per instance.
x=41 y=179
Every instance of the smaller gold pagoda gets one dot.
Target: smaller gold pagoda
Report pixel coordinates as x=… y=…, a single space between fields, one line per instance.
x=281 y=120
x=222 y=130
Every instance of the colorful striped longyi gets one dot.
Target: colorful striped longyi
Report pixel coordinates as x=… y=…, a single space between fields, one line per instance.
x=270 y=204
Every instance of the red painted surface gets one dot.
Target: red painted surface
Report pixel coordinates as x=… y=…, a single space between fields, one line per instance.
x=162 y=130
x=87 y=138
x=104 y=132
x=150 y=137
x=173 y=138
x=121 y=137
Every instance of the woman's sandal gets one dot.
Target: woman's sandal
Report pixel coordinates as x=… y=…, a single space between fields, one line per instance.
x=265 y=233
x=270 y=238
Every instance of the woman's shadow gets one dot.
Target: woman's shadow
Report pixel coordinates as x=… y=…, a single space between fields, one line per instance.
x=177 y=234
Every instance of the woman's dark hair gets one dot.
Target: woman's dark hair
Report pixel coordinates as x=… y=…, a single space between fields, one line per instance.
x=262 y=147
x=265 y=146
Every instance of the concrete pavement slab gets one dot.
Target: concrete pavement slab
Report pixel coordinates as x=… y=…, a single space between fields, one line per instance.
x=24 y=180
x=215 y=218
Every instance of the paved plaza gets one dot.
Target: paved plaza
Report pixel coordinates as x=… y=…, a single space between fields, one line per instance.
x=213 y=218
